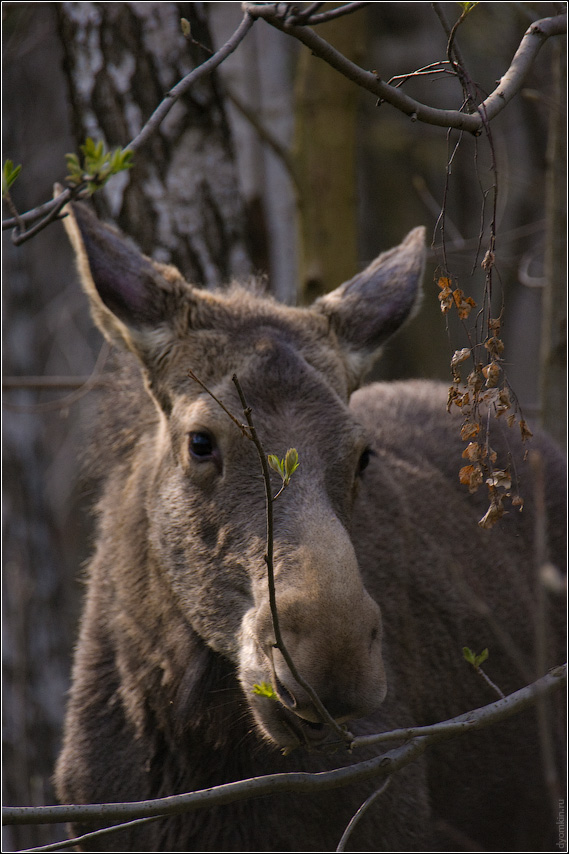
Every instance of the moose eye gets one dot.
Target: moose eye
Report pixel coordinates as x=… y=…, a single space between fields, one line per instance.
x=364 y=459
x=202 y=445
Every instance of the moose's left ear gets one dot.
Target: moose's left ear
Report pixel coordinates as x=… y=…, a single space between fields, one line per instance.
x=367 y=309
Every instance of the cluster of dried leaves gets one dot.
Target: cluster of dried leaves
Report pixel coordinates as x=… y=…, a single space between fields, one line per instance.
x=485 y=391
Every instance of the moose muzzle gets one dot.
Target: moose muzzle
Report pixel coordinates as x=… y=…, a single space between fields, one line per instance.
x=331 y=629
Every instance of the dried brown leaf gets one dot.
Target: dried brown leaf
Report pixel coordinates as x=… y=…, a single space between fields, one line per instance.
x=493 y=514
x=492 y=374
x=500 y=479
x=475 y=381
x=469 y=430
x=453 y=393
x=446 y=299
x=463 y=304
x=460 y=356
x=524 y=430
x=471 y=476
x=473 y=452
x=495 y=346
x=503 y=403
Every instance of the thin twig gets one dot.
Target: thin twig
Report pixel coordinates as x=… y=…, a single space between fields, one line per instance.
x=359 y=814
x=74 y=841
x=180 y=88
x=490 y=683
x=220 y=403
x=425 y=71
x=452 y=48
x=41 y=216
x=279 y=642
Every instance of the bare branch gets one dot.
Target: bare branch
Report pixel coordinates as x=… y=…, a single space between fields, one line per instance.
x=41 y=216
x=180 y=88
x=513 y=79
x=473 y=123
x=36 y=213
x=416 y=739
x=276 y=14
x=477 y=718
x=305 y=15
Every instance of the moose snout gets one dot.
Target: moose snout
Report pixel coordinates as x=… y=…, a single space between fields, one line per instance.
x=338 y=656
x=341 y=663
x=329 y=625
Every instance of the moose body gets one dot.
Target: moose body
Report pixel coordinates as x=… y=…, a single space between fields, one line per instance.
x=382 y=574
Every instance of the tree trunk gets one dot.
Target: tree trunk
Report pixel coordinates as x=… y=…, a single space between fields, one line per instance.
x=180 y=200
x=554 y=325
x=325 y=152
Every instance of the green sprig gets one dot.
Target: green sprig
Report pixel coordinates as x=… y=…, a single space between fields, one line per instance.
x=265 y=689
x=97 y=164
x=9 y=175
x=285 y=467
x=475 y=659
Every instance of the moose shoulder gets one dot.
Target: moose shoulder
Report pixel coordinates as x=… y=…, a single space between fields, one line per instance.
x=382 y=573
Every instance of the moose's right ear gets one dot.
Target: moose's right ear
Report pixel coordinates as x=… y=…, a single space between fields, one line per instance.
x=367 y=309
x=130 y=296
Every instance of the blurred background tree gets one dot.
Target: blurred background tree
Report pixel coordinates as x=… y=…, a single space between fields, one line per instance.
x=276 y=165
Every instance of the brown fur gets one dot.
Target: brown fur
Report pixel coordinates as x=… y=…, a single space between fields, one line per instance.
x=176 y=627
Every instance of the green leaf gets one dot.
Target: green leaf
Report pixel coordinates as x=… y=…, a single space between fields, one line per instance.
x=97 y=165
x=286 y=467
x=276 y=465
x=468 y=7
x=265 y=689
x=473 y=658
x=9 y=175
x=291 y=462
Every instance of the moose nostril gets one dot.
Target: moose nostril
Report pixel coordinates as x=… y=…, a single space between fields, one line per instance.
x=284 y=695
x=373 y=636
